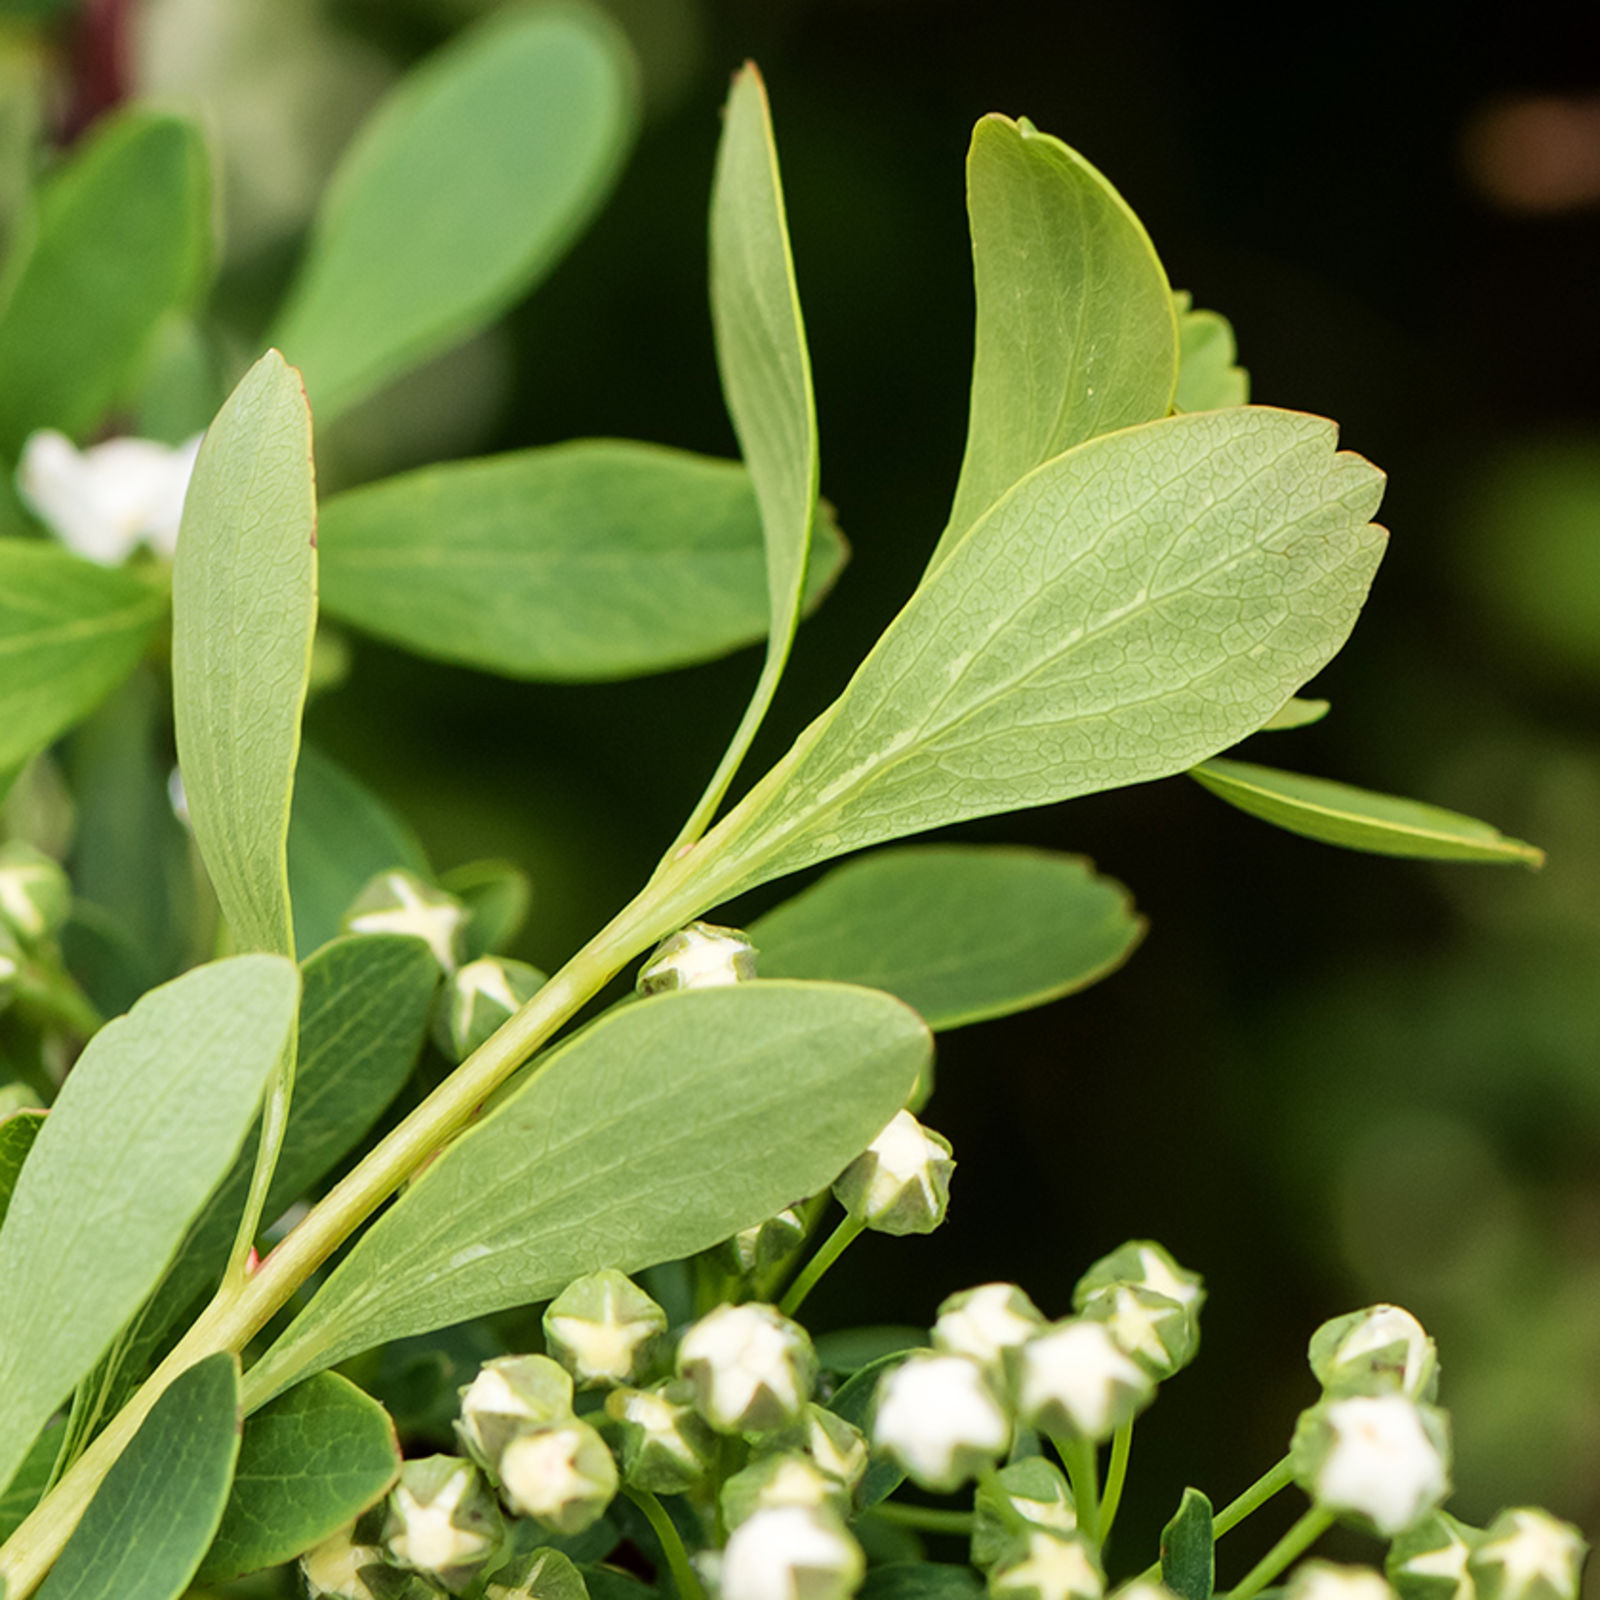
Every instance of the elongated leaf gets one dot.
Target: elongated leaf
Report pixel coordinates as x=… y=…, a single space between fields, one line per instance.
x=463 y=190
x=496 y=896
x=70 y=632
x=1295 y=713
x=145 y=1126
x=17 y=1133
x=960 y=933
x=1076 y=331
x=341 y=836
x=30 y=1481
x=595 y=559
x=1207 y=374
x=1188 y=1556
x=601 y=1159
x=153 y=1517
x=1358 y=819
x=244 y=609
x=1129 y=609
x=123 y=235
x=309 y=1464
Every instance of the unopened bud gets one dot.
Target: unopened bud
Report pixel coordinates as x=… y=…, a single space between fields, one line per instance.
x=1146 y=1265
x=750 y=1367
x=901 y=1182
x=1428 y=1561
x=333 y=1570
x=478 y=998
x=1161 y=1335
x=1381 y=1349
x=1383 y=1459
x=559 y=1473
x=1048 y=1566
x=835 y=1446
x=791 y=1553
x=10 y=965
x=667 y=1446
x=761 y=1248
x=604 y=1330
x=34 y=893
x=1325 y=1580
x=784 y=1479
x=1075 y=1379
x=940 y=1418
x=508 y=1394
x=700 y=956
x=400 y=902
x=1032 y=1489
x=1527 y=1554
x=442 y=1520
x=986 y=1323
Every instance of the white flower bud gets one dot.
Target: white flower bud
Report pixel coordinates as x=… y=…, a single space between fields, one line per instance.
x=478 y=998
x=509 y=1393
x=762 y=1247
x=939 y=1417
x=400 y=902
x=103 y=502
x=750 y=1367
x=441 y=1519
x=332 y=1571
x=1368 y=1352
x=604 y=1330
x=1145 y=1265
x=901 y=1182
x=1143 y=1589
x=1382 y=1457
x=784 y=1479
x=1161 y=1335
x=986 y=1322
x=1428 y=1561
x=1048 y=1566
x=1033 y=1489
x=559 y=1473
x=791 y=1553
x=838 y=1447
x=1325 y=1580
x=34 y=893
x=1075 y=1379
x=700 y=956
x=667 y=1446
x=1527 y=1554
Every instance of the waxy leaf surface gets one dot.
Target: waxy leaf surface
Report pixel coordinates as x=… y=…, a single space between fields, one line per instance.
x=461 y=192
x=601 y=1158
x=244 y=609
x=959 y=932
x=148 y=1122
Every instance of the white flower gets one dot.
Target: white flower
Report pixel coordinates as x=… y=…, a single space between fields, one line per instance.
x=901 y=1182
x=751 y=1368
x=788 y=1479
x=940 y=1419
x=1053 y=1567
x=666 y=1445
x=700 y=956
x=1372 y=1454
x=837 y=1446
x=986 y=1322
x=1324 y=1580
x=790 y=1553
x=105 y=501
x=508 y=1393
x=1075 y=1377
x=1528 y=1553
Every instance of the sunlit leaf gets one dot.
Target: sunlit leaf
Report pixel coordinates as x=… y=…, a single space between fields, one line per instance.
x=1208 y=376
x=1295 y=713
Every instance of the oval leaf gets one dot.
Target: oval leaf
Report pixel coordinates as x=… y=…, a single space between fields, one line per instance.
x=1295 y=713
x=147 y=1123
x=461 y=192
x=309 y=1464
x=1076 y=329
x=145 y=1531
x=17 y=1133
x=959 y=932
x=1336 y=813
x=591 y=560
x=244 y=610
x=1188 y=1554
x=600 y=1160
x=1208 y=376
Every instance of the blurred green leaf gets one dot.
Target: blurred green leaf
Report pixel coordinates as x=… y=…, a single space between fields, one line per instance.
x=1207 y=374
x=1295 y=713
x=309 y=1464
x=149 y=1524
x=244 y=609
x=147 y=1123
x=959 y=932
x=341 y=836
x=1129 y=609
x=847 y=1350
x=497 y=895
x=70 y=632
x=459 y=194
x=594 y=559
x=1336 y=813
x=922 y=1580
x=17 y=1133
x=1076 y=331
x=30 y=1481
x=600 y=1158
x=1188 y=1560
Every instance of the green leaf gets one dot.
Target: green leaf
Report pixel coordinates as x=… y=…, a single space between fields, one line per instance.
x=1208 y=377
x=341 y=836
x=17 y=1133
x=497 y=896
x=309 y=1463
x=244 y=609
x=1188 y=1558
x=459 y=194
x=921 y=1580
x=1129 y=609
x=70 y=632
x=847 y=1350
x=1336 y=813
x=959 y=932
x=147 y=1123
x=122 y=236
x=150 y=1522
x=1076 y=331
x=590 y=560
x=1295 y=713
x=30 y=1481
x=600 y=1159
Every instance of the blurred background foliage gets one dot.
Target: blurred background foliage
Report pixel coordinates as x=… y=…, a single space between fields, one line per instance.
x=1326 y=1078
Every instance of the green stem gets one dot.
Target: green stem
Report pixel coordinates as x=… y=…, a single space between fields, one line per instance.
x=1083 y=1468
x=1256 y=1496
x=1288 y=1549
x=1116 y=1476
x=688 y=1585
x=927 y=1519
x=274 y=1124
x=1002 y=1504
x=833 y=1247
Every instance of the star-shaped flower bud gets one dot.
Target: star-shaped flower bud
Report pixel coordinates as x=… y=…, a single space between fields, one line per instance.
x=901 y=1182
x=545 y=1574
x=786 y=1478
x=400 y=902
x=1033 y=1489
x=940 y=1418
x=1428 y=1561
x=768 y=1243
x=1382 y=1459
x=508 y=1393
x=477 y=999
x=700 y=956
x=559 y=1473
x=838 y=1447
x=604 y=1330
x=333 y=1569
x=35 y=895
x=1161 y=1335
x=751 y=1369
x=1527 y=1554
x=791 y=1553
x=989 y=1323
x=1379 y=1349
x=1326 y=1580
x=104 y=502
x=442 y=1520
x=667 y=1446
x=1143 y=1589
x=1146 y=1265
x=1075 y=1379
x=1048 y=1566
